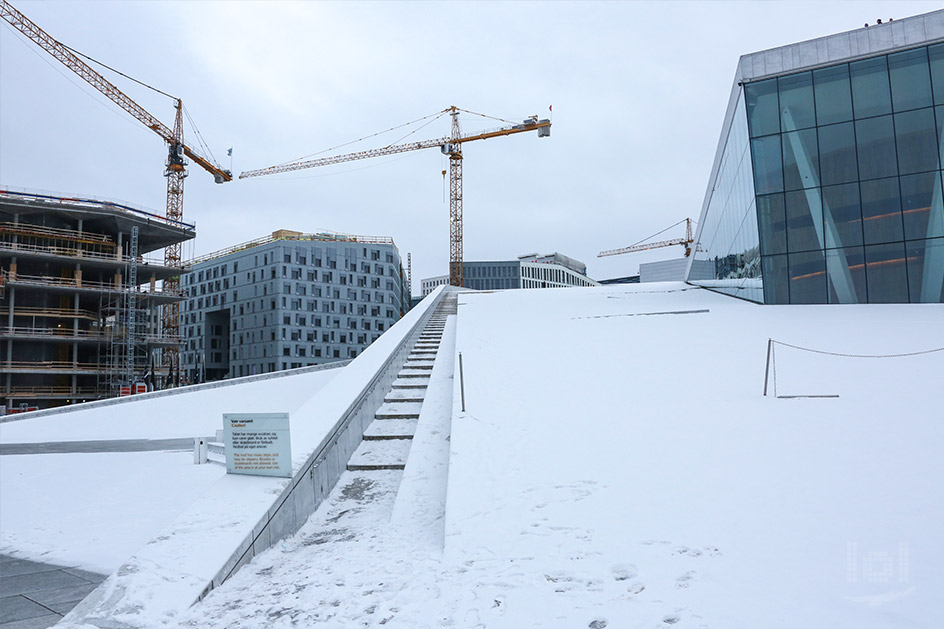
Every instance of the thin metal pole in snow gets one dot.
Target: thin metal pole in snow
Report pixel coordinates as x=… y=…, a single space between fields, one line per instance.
x=461 y=382
x=770 y=345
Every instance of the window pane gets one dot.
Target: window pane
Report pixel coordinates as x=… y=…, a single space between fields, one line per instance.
x=763 y=111
x=845 y=270
x=939 y=115
x=800 y=160
x=910 y=78
x=843 y=216
x=870 y=95
x=768 y=170
x=837 y=154
x=807 y=278
x=916 y=139
x=833 y=94
x=776 y=284
x=926 y=270
x=796 y=102
x=804 y=220
x=885 y=273
x=936 y=56
x=875 y=139
x=881 y=210
x=773 y=232
x=921 y=205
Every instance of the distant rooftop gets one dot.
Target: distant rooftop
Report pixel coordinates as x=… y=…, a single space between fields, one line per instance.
x=288 y=234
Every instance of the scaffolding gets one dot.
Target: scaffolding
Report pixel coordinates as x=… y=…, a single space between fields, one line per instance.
x=126 y=355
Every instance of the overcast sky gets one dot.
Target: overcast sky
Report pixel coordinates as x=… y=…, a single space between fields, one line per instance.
x=638 y=91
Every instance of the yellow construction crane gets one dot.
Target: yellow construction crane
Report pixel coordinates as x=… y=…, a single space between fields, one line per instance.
x=645 y=246
x=451 y=146
x=175 y=167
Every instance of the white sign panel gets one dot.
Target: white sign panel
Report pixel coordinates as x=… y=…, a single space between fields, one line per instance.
x=258 y=443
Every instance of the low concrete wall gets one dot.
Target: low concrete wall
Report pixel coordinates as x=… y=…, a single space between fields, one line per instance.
x=242 y=516
x=140 y=397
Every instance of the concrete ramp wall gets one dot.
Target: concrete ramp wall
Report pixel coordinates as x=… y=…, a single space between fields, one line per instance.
x=242 y=516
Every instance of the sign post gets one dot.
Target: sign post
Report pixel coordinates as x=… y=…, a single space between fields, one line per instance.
x=258 y=444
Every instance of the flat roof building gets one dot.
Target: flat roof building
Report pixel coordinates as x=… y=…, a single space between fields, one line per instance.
x=77 y=292
x=827 y=181
x=289 y=300
x=528 y=271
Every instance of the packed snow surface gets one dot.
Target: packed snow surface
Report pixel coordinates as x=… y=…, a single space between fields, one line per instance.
x=96 y=510
x=617 y=465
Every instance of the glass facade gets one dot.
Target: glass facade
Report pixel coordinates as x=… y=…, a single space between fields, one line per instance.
x=727 y=257
x=844 y=201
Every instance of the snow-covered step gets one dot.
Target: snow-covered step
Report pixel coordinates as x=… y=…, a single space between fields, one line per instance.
x=382 y=429
x=426 y=345
x=386 y=454
x=405 y=395
x=420 y=358
x=413 y=365
x=422 y=351
x=398 y=410
x=410 y=383
x=413 y=373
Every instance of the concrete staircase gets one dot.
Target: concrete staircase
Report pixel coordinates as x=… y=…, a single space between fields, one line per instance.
x=387 y=439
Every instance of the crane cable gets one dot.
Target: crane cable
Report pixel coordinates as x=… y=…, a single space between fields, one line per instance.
x=203 y=145
x=475 y=113
x=657 y=233
x=441 y=114
x=130 y=78
x=366 y=137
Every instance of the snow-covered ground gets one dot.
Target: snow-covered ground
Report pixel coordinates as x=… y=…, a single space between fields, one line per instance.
x=95 y=510
x=618 y=466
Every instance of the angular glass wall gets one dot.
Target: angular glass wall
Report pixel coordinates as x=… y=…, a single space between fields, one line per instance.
x=727 y=254
x=848 y=182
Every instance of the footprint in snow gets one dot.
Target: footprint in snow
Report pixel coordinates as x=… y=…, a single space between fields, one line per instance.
x=683 y=581
x=690 y=552
x=624 y=571
x=599 y=623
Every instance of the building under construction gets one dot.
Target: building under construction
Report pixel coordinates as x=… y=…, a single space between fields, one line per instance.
x=79 y=298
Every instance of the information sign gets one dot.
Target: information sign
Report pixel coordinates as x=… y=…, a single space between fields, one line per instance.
x=258 y=443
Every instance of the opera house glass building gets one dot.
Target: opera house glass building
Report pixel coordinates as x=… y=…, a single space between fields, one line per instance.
x=827 y=182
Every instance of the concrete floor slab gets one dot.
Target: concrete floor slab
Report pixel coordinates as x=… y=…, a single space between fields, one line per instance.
x=19 y=608
x=34 y=595
x=54 y=599
x=40 y=622
x=11 y=566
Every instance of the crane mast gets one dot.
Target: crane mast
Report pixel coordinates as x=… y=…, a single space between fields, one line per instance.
x=455 y=203
x=450 y=146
